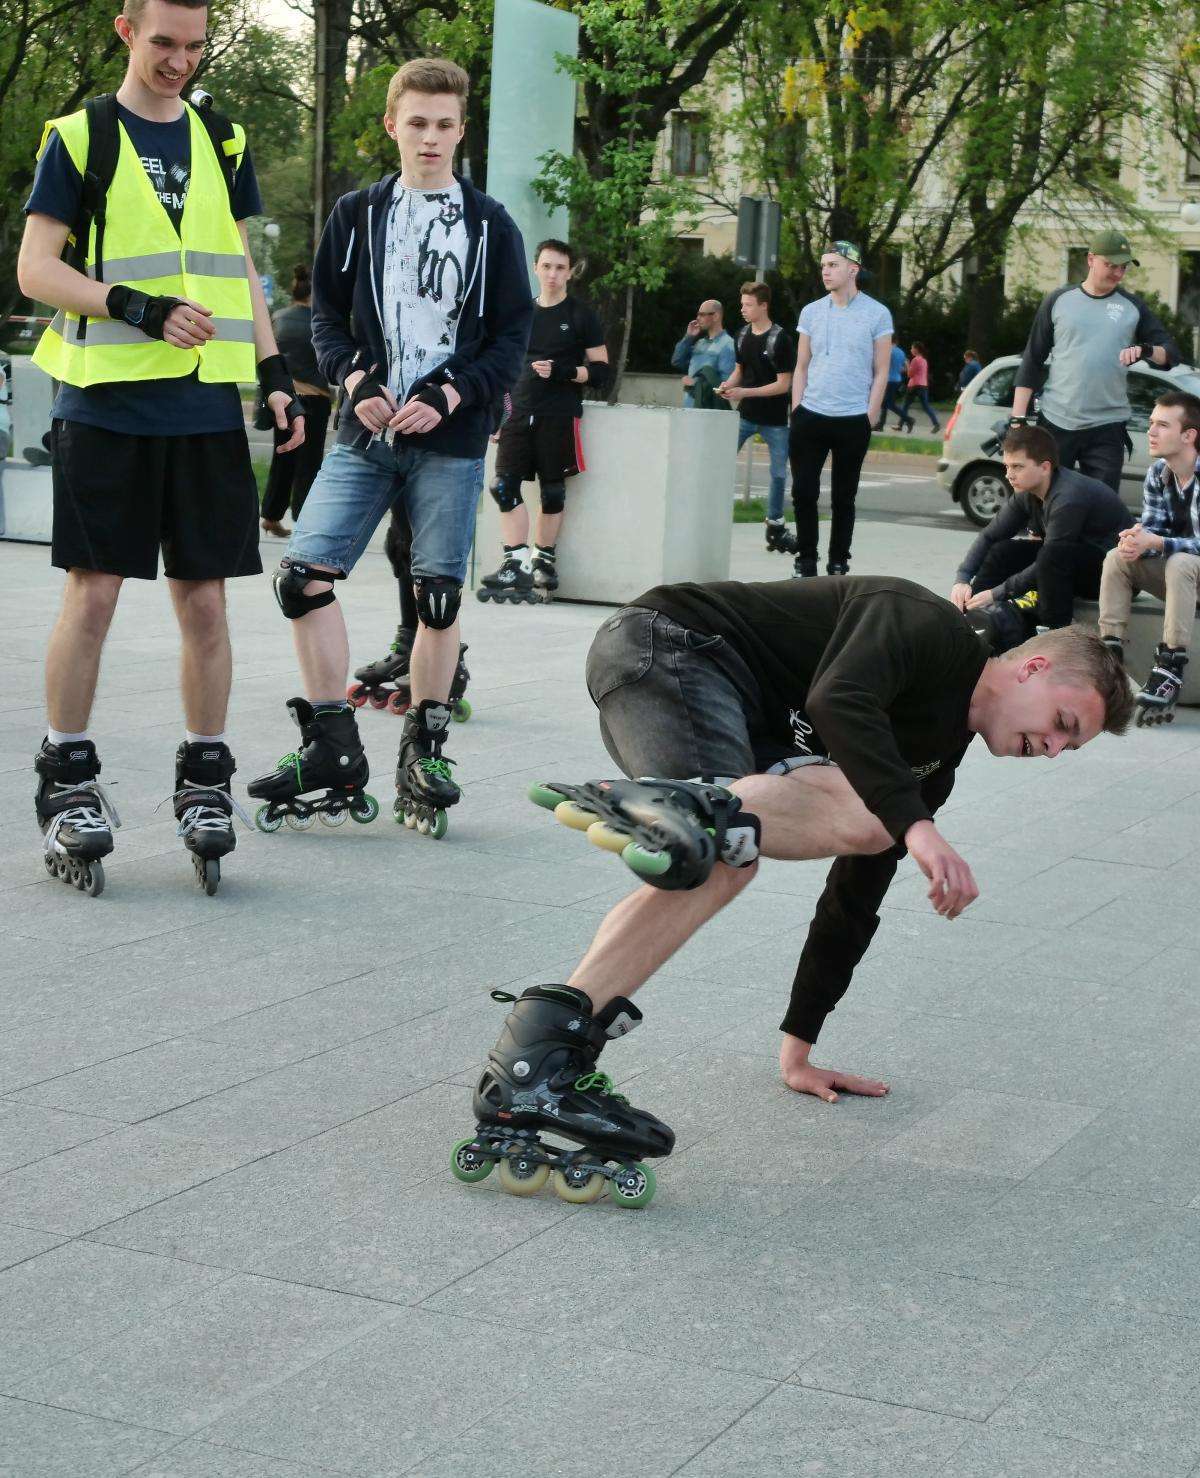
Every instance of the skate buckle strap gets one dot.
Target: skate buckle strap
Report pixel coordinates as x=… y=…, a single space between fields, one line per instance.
x=86 y=817
x=602 y=1083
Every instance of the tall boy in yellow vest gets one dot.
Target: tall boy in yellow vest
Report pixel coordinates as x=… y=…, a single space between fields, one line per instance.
x=148 y=439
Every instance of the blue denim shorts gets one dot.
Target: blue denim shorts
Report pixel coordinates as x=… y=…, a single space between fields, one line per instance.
x=355 y=489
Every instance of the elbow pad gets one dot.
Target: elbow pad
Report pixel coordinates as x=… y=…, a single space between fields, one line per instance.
x=599 y=374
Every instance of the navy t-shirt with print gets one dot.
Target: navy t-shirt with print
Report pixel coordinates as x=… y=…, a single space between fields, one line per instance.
x=173 y=407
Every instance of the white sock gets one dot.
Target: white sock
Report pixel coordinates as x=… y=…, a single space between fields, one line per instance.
x=205 y=738
x=60 y=736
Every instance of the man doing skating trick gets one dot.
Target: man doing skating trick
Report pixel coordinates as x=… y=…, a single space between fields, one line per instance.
x=421 y=312
x=541 y=436
x=160 y=315
x=828 y=717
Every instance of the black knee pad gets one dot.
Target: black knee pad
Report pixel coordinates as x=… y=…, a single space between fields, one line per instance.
x=507 y=493
x=438 y=600
x=289 y=581
x=554 y=497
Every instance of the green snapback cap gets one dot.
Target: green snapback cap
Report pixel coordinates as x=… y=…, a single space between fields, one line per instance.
x=1114 y=247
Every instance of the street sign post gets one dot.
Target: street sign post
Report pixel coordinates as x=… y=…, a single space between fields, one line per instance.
x=758 y=225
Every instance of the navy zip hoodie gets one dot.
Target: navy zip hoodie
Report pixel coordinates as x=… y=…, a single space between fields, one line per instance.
x=492 y=331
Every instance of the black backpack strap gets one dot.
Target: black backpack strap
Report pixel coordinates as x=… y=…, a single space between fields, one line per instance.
x=220 y=132
x=104 y=145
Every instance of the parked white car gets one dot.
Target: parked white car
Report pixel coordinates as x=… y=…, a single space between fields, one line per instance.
x=977 y=481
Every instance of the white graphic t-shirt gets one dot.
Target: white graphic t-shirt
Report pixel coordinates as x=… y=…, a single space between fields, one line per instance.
x=424 y=280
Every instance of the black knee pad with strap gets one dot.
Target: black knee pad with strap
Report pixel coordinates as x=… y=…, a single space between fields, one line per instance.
x=507 y=493
x=554 y=497
x=289 y=581
x=438 y=600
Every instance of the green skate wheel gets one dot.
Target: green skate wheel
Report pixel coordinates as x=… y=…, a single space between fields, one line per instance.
x=522 y=1177
x=646 y=864
x=439 y=826
x=633 y=1186
x=365 y=809
x=544 y=796
x=576 y=1191
x=468 y=1164
x=601 y=835
x=574 y=816
x=265 y=821
x=301 y=823
x=462 y=711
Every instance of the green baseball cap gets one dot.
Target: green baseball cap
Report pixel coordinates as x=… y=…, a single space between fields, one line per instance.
x=848 y=250
x=1114 y=247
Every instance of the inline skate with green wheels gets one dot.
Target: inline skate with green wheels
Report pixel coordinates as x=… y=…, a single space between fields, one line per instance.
x=330 y=762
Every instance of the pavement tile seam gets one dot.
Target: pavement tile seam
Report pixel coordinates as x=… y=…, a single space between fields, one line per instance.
x=75 y=1411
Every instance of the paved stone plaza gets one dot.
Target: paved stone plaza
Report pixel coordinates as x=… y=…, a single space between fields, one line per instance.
x=231 y=1242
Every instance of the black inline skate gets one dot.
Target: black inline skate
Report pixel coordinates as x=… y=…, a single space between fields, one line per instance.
x=76 y=816
x=542 y=1075
x=780 y=539
x=380 y=683
x=424 y=789
x=838 y=567
x=204 y=807
x=803 y=569
x=544 y=571
x=512 y=583
x=1156 y=702
x=330 y=760
x=669 y=832
x=1008 y=623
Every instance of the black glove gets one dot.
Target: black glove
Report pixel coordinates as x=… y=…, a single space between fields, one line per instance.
x=435 y=396
x=272 y=376
x=561 y=373
x=367 y=389
x=139 y=310
x=1147 y=352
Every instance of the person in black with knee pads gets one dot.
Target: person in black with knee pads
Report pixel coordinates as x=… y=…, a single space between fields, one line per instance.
x=541 y=437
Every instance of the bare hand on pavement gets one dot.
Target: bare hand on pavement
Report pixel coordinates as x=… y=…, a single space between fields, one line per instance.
x=801 y=1076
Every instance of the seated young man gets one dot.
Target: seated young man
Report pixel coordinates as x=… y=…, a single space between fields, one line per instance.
x=1161 y=553
x=1048 y=542
x=831 y=715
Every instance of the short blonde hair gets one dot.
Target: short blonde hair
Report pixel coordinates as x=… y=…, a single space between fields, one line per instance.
x=429 y=74
x=1084 y=661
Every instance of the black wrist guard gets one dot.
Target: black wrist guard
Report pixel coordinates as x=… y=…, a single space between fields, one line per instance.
x=599 y=374
x=435 y=397
x=273 y=375
x=1016 y=422
x=139 y=310
x=367 y=389
x=561 y=373
x=1147 y=352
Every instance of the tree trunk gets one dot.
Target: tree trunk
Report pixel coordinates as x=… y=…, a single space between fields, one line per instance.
x=331 y=52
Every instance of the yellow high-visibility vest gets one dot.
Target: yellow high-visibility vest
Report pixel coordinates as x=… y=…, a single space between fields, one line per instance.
x=203 y=260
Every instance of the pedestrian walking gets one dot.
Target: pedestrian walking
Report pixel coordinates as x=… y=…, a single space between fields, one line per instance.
x=291 y=474
x=918 y=387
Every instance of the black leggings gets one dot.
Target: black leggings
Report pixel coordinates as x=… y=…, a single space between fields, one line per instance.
x=1065 y=571
x=813 y=438
x=292 y=473
x=397 y=545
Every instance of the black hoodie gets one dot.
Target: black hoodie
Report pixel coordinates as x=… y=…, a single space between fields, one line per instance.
x=492 y=329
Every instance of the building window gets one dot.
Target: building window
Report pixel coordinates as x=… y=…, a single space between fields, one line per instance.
x=888 y=267
x=1191 y=166
x=689 y=246
x=1077 y=263
x=689 y=144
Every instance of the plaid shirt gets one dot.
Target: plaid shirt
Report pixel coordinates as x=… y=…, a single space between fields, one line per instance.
x=1165 y=505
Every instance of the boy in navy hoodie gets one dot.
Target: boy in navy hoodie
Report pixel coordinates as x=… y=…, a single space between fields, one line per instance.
x=421 y=313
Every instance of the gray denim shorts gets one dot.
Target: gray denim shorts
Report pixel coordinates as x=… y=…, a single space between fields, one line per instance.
x=673 y=702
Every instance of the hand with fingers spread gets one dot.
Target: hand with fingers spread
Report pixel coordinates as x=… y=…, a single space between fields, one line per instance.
x=951 y=884
x=801 y=1076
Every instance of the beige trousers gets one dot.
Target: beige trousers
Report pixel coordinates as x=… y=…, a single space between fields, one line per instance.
x=1174 y=580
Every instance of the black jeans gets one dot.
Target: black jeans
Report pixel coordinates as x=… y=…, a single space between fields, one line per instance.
x=813 y=439
x=1065 y=572
x=1096 y=451
x=292 y=473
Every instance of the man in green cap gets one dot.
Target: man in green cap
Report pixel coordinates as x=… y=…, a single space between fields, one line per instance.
x=1096 y=330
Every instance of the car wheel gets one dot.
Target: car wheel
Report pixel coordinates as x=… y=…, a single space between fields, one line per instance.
x=983 y=492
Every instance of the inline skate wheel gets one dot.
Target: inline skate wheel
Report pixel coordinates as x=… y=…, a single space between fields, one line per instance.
x=356 y=694
x=468 y=1163
x=646 y=864
x=601 y=835
x=50 y=864
x=483 y=595
x=62 y=869
x=462 y=711
x=633 y=1186
x=398 y=704
x=523 y=1177
x=364 y=809
x=265 y=821
x=438 y=827
x=93 y=878
x=574 y=816
x=300 y=821
x=78 y=875
x=578 y=1187
x=335 y=816
x=378 y=701
x=544 y=796
x=403 y=815
x=208 y=874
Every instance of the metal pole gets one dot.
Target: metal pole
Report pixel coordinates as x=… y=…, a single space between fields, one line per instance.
x=749 y=469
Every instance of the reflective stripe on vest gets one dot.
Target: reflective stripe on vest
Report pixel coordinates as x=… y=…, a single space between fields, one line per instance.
x=203 y=261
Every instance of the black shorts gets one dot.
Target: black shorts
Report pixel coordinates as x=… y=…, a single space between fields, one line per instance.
x=546 y=447
x=118 y=499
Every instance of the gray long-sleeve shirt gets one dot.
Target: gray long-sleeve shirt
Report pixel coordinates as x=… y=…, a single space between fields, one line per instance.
x=1082 y=337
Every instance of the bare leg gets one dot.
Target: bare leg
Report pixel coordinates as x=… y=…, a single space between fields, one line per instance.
x=514 y=526
x=322 y=647
x=431 y=666
x=547 y=529
x=813 y=812
x=206 y=659
x=73 y=653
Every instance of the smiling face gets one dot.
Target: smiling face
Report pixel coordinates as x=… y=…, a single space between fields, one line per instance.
x=165 y=45
x=428 y=128
x=1103 y=275
x=1035 y=714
